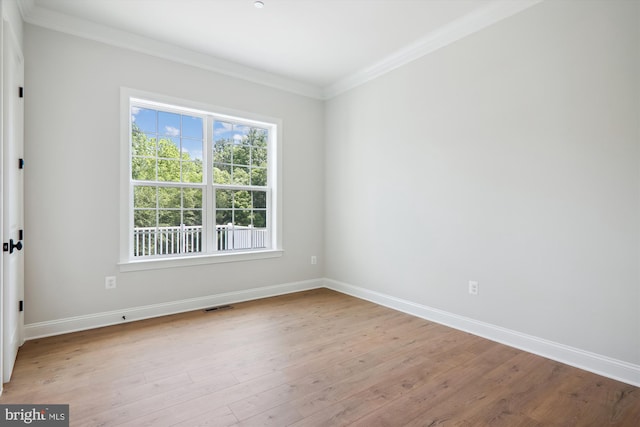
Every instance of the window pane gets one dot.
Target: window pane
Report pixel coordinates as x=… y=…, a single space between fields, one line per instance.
x=144 y=197
x=152 y=137
x=242 y=217
x=169 y=170
x=259 y=199
x=224 y=199
x=169 y=197
x=192 y=171
x=248 y=221
x=224 y=217
x=222 y=152
x=240 y=133
x=242 y=200
x=169 y=148
x=242 y=155
x=231 y=132
x=259 y=177
x=192 y=127
x=192 y=198
x=169 y=218
x=143 y=144
x=260 y=139
x=221 y=174
x=144 y=119
x=192 y=217
x=144 y=218
x=240 y=175
x=222 y=131
x=168 y=123
x=143 y=169
x=192 y=238
x=191 y=149
x=260 y=218
x=259 y=157
x=224 y=237
x=256 y=137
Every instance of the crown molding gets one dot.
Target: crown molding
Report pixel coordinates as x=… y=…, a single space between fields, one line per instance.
x=26 y=7
x=52 y=20
x=456 y=30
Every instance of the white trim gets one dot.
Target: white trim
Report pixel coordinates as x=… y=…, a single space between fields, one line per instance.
x=592 y=362
x=33 y=14
x=12 y=13
x=98 y=320
x=274 y=190
x=481 y=18
x=475 y=21
x=26 y=7
x=187 y=261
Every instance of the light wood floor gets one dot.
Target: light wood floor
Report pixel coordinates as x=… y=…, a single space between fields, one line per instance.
x=316 y=358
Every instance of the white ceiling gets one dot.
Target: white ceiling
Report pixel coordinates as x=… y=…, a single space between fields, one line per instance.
x=314 y=47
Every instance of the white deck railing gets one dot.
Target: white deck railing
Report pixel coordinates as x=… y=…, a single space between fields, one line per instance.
x=188 y=239
x=238 y=237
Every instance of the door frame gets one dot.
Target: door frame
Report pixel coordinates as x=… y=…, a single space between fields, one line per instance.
x=8 y=35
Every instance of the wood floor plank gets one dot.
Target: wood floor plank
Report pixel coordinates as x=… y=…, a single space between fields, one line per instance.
x=314 y=358
x=450 y=388
x=219 y=417
x=388 y=386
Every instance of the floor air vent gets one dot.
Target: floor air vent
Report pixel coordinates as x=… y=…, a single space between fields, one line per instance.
x=218 y=308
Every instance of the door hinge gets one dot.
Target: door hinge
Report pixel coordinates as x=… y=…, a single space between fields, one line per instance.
x=20 y=163
x=21 y=306
x=21 y=92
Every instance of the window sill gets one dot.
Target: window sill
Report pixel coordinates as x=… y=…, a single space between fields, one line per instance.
x=173 y=262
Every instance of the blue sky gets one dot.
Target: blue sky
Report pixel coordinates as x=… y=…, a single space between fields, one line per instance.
x=185 y=131
x=224 y=130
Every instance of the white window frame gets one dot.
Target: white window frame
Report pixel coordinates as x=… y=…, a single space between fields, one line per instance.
x=274 y=152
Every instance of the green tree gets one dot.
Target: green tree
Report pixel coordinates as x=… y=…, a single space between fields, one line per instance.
x=241 y=162
x=161 y=160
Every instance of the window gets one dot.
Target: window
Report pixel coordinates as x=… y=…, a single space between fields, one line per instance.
x=199 y=183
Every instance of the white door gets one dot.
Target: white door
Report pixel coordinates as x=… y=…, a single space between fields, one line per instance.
x=12 y=200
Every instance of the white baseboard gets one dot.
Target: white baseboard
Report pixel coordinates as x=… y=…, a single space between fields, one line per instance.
x=592 y=362
x=598 y=364
x=91 y=321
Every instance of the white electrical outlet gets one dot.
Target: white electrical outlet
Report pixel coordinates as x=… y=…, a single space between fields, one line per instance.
x=110 y=282
x=473 y=287
x=314 y=260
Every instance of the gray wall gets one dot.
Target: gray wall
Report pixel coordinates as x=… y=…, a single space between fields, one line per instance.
x=72 y=181
x=510 y=157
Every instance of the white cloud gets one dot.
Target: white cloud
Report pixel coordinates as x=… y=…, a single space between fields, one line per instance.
x=194 y=154
x=171 y=131
x=244 y=130
x=222 y=127
x=134 y=113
